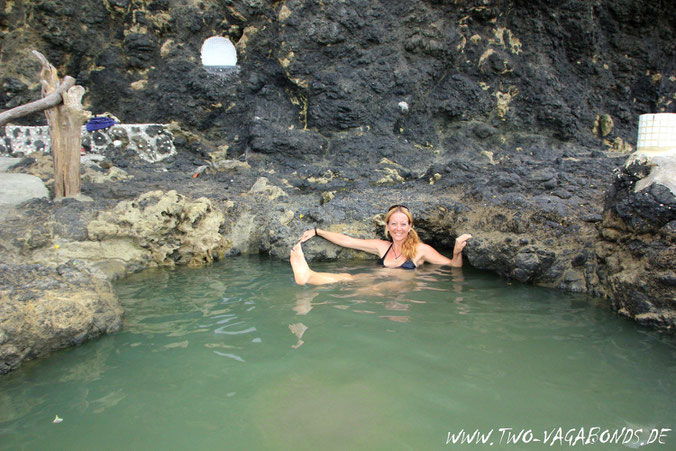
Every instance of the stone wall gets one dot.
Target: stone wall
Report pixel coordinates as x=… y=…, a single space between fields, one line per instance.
x=151 y=142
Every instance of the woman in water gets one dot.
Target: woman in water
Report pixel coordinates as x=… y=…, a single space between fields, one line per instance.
x=404 y=251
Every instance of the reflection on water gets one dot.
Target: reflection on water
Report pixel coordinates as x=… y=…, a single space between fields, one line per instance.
x=236 y=353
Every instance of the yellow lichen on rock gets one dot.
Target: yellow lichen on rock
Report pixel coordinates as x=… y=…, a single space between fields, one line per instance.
x=513 y=43
x=618 y=145
x=326 y=177
x=166 y=48
x=220 y=154
x=484 y=56
x=488 y=154
x=202 y=242
x=246 y=35
x=461 y=46
x=607 y=124
x=504 y=99
x=301 y=83
x=113 y=174
x=284 y=13
x=239 y=16
x=390 y=162
x=72 y=309
x=161 y=20
x=139 y=85
x=122 y=250
x=603 y=125
x=116 y=7
x=300 y=101
x=327 y=196
x=286 y=61
x=391 y=177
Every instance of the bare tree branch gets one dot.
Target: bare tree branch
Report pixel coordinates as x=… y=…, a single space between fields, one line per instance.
x=62 y=103
x=49 y=101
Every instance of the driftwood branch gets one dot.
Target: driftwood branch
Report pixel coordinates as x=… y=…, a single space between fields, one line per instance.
x=49 y=101
x=62 y=103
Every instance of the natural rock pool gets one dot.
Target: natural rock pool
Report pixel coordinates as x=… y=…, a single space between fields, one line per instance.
x=236 y=356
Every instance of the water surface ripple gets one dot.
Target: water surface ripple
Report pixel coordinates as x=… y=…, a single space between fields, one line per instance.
x=237 y=356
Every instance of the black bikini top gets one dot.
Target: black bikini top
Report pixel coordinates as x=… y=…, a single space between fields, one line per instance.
x=408 y=264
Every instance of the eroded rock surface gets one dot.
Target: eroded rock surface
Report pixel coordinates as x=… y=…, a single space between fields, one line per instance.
x=637 y=252
x=45 y=308
x=165 y=227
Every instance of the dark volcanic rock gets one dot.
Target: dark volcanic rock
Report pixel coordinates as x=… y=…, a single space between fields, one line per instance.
x=338 y=67
x=638 y=252
x=647 y=210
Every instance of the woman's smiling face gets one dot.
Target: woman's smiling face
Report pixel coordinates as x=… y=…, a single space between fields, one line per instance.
x=398 y=226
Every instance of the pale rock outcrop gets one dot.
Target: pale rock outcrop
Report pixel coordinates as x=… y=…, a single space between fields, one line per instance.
x=167 y=227
x=263 y=186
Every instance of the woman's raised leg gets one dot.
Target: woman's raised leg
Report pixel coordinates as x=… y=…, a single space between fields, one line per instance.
x=304 y=275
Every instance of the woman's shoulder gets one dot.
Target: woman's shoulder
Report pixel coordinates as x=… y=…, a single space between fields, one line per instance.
x=422 y=247
x=379 y=245
x=424 y=250
x=383 y=244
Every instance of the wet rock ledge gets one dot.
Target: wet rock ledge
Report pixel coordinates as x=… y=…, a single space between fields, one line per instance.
x=45 y=308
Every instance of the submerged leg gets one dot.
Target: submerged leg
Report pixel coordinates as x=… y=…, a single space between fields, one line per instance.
x=304 y=275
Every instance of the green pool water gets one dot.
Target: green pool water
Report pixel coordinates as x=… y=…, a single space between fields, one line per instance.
x=236 y=356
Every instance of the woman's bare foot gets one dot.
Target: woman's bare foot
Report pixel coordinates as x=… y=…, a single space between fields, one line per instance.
x=301 y=270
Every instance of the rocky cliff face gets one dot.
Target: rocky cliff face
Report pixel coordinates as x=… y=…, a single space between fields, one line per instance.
x=327 y=78
x=637 y=250
x=506 y=119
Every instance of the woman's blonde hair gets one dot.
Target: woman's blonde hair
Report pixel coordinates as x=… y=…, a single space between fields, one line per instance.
x=408 y=250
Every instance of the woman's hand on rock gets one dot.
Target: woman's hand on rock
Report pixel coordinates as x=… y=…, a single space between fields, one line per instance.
x=306 y=235
x=461 y=242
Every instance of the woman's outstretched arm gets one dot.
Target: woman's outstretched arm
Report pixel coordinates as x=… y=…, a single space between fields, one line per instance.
x=432 y=256
x=370 y=246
